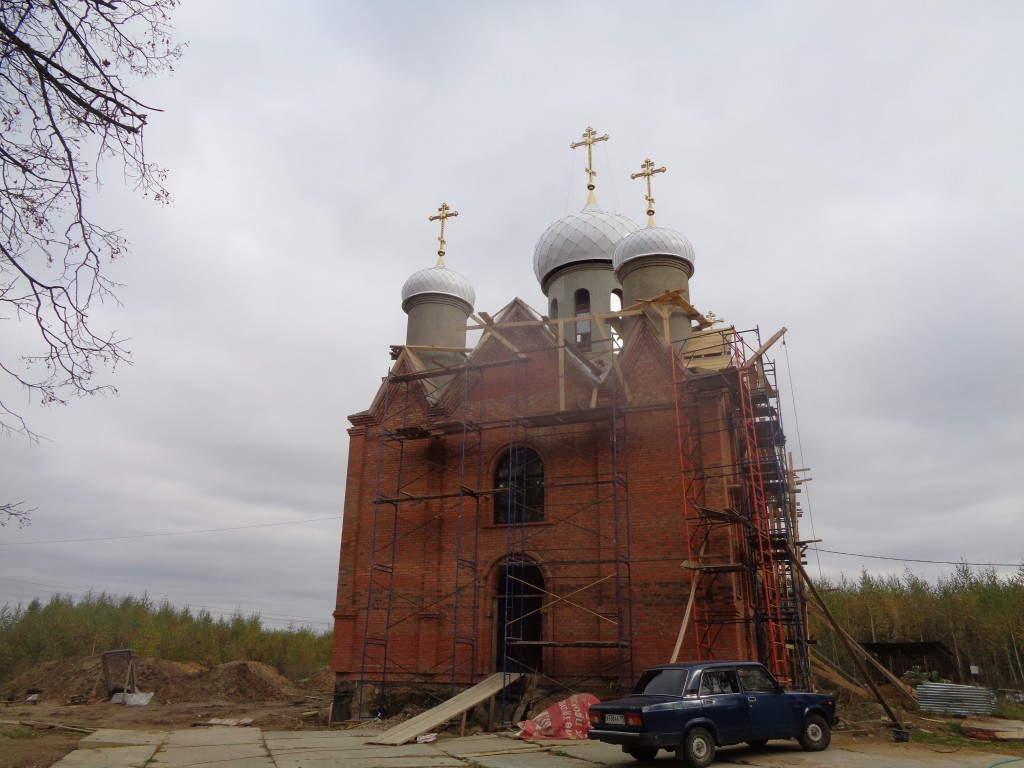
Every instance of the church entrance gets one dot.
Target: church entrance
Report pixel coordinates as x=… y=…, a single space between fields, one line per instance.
x=519 y=599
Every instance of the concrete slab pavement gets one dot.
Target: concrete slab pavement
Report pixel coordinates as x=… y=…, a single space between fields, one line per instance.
x=112 y=737
x=226 y=747
x=320 y=750
x=109 y=757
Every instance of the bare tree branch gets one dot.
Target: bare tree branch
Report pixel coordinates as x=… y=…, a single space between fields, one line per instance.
x=64 y=111
x=14 y=513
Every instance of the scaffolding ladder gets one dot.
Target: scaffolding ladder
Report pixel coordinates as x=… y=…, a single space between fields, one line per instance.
x=763 y=512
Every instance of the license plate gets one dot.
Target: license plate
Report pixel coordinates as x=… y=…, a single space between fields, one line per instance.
x=615 y=719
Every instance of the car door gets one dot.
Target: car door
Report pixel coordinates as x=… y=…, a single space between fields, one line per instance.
x=771 y=712
x=724 y=704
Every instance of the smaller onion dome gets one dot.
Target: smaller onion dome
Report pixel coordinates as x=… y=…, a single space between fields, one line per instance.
x=590 y=235
x=653 y=241
x=438 y=280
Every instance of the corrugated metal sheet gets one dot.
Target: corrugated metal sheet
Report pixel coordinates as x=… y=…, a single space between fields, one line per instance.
x=956 y=699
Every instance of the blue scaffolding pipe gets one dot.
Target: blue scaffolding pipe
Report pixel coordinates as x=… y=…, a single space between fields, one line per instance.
x=469 y=564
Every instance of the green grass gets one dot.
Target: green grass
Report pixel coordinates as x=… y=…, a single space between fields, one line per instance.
x=1010 y=709
x=953 y=738
x=20 y=734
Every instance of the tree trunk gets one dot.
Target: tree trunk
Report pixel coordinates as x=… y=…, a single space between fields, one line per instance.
x=1013 y=642
x=956 y=653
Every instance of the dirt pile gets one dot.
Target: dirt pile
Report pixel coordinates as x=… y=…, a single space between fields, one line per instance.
x=171 y=681
x=320 y=682
x=244 y=681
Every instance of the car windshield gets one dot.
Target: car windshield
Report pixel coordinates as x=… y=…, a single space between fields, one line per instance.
x=665 y=682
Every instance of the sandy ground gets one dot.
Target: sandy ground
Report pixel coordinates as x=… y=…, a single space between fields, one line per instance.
x=40 y=744
x=33 y=735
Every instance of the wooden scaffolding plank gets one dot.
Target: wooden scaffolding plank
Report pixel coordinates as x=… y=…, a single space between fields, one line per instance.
x=442 y=713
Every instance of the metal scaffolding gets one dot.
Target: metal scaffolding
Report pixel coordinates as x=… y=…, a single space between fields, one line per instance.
x=589 y=576
x=403 y=394
x=763 y=506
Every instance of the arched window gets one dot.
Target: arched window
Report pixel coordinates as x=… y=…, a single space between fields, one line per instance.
x=519 y=480
x=582 y=300
x=554 y=309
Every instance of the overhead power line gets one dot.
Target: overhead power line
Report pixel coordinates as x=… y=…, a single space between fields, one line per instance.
x=916 y=560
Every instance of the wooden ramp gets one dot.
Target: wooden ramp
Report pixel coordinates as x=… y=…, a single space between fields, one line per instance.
x=442 y=713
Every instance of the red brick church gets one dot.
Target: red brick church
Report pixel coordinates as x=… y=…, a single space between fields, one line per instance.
x=581 y=494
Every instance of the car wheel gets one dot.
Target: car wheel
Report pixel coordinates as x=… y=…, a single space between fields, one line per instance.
x=816 y=734
x=697 y=749
x=643 y=754
x=758 y=742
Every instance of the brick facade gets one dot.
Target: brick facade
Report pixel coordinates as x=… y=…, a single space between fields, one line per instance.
x=609 y=551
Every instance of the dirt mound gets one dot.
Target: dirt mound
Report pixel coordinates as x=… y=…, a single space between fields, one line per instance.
x=57 y=679
x=246 y=681
x=321 y=681
x=171 y=681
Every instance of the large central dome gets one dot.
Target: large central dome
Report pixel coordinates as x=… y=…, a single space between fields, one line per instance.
x=588 y=236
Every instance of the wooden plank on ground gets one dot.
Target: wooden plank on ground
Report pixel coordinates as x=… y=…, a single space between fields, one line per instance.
x=442 y=713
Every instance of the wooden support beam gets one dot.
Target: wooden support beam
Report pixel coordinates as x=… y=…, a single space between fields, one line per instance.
x=902 y=687
x=765 y=347
x=528 y=690
x=694 y=578
x=554 y=321
x=845 y=639
x=692 y=565
x=489 y=326
x=826 y=669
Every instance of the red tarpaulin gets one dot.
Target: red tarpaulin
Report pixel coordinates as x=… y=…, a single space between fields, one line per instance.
x=568 y=719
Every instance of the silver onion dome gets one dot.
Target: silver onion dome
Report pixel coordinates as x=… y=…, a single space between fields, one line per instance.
x=653 y=241
x=590 y=235
x=439 y=280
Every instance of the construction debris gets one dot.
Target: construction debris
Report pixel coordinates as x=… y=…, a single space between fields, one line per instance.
x=234 y=722
x=49 y=726
x=994 y=729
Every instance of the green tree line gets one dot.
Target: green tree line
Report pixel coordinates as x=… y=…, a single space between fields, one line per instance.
x=977 y=615
x=63 y=627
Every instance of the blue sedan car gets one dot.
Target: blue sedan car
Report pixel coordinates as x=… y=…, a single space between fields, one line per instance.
x=691 y=708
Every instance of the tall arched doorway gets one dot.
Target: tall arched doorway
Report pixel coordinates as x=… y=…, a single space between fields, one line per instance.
x=519 y=598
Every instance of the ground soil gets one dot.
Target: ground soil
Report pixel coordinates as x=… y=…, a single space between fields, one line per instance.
x=31 y=735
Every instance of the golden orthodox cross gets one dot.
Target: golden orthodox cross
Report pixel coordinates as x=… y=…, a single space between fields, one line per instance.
x=590 y=138
x=442 y=213
x=647 y=171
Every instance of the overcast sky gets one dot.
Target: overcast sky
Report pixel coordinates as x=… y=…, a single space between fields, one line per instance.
x=850 y=170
